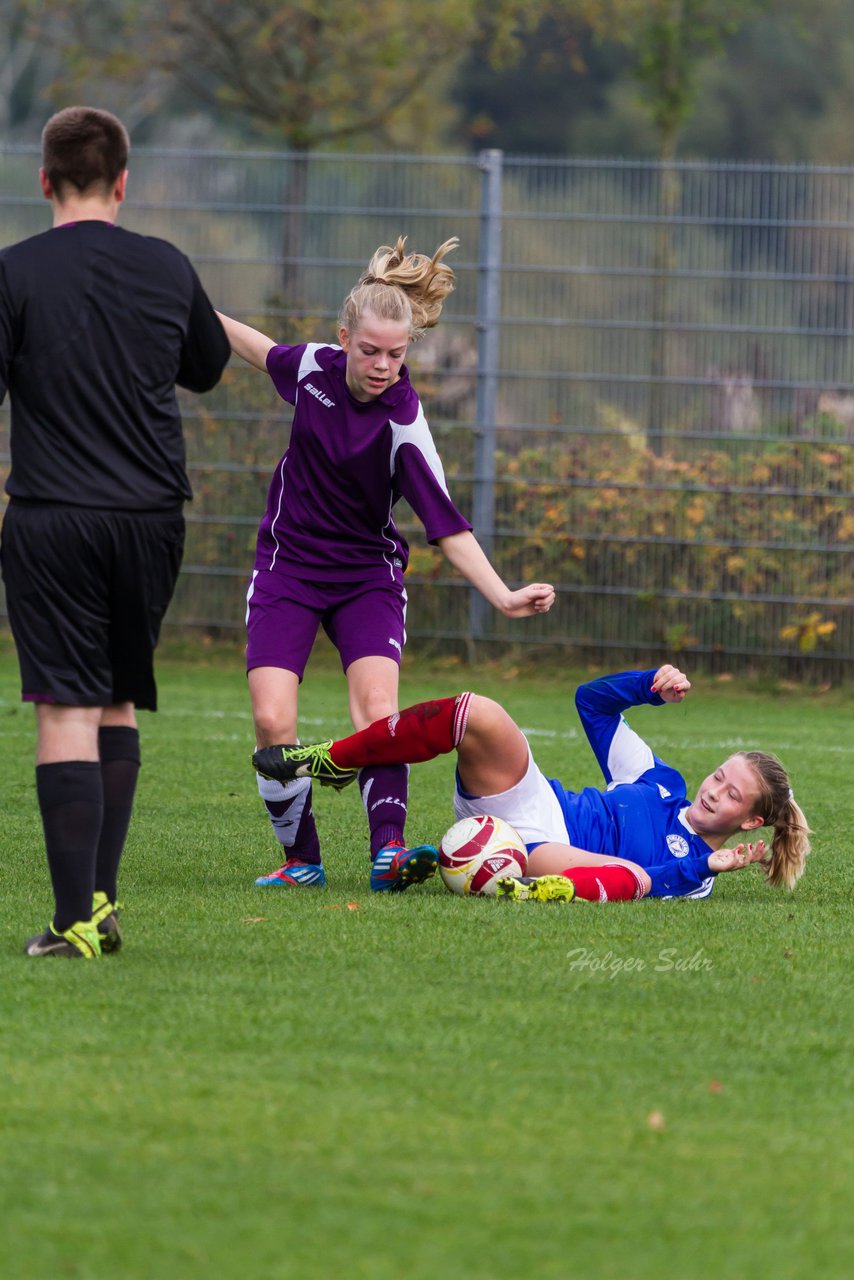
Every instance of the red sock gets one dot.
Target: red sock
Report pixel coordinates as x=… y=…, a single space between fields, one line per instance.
x=422 y=732
x=608 y=883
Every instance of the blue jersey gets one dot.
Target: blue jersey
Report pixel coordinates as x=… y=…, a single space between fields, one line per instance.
x=641 y=815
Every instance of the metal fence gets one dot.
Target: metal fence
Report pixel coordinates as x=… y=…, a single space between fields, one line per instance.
x=642 y=388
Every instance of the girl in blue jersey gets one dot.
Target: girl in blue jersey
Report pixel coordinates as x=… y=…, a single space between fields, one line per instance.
x=328 y=550
x=640 y=836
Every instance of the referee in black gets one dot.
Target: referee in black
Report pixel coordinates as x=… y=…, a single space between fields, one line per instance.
x=97 y=325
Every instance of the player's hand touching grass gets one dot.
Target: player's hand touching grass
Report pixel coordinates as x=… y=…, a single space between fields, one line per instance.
x=670 y=683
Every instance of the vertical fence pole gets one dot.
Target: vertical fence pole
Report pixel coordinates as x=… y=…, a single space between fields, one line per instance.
x=487 y=324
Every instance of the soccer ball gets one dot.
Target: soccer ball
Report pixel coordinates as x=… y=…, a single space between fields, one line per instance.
x=476 y=852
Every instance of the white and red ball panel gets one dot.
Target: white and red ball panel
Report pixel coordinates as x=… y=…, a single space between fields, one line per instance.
x=476 y=852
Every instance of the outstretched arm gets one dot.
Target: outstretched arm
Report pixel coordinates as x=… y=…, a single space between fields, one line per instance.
x=246 y=342
x=622 y=754
x=465 y=553
x=682 y=876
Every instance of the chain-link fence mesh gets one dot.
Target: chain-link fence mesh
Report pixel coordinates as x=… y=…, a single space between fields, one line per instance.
x=642 y=387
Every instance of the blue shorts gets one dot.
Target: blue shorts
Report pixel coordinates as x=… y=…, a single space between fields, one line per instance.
x=362 y=619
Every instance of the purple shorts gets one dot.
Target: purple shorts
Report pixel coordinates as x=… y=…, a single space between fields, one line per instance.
x=362 y=619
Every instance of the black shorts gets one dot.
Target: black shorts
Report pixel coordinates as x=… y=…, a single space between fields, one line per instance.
x=86 y=592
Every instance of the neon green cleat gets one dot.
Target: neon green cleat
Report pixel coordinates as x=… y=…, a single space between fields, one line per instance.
x=81 y=939
x=286 y=762
x=536 y=888
x=105 y=916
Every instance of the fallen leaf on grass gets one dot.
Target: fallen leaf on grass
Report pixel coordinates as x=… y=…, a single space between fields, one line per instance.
x=715 y=1086
x=352 y=906
x=655 y=1120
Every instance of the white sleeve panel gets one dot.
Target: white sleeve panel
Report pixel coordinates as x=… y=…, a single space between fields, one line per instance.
x=308 y=364
x=628 y=756
x=417 y=433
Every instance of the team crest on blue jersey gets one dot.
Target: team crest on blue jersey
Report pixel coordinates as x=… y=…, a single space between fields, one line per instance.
x=677 y=845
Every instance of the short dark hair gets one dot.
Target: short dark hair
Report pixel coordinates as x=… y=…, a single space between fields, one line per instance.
x=84 y=148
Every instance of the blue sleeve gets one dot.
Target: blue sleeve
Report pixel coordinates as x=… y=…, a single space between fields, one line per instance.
x=622 y=754
x=679 y=876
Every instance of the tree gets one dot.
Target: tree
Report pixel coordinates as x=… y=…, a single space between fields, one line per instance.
x=671 y=39
x=307 y=75
x=539 y=102
x=25 y=66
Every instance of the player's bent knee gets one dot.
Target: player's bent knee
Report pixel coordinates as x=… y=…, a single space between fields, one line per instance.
x=487 y=719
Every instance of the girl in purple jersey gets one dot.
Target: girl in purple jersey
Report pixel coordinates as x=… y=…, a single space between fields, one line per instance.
x=328 y=551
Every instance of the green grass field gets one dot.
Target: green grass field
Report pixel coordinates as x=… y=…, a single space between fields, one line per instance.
x=327 y=1084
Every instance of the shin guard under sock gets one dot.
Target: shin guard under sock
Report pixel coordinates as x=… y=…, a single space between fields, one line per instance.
x=71 y=801
x=609 y=883
x=118 y=747
x=385 y=791
x=288 y=806
x=422 y=732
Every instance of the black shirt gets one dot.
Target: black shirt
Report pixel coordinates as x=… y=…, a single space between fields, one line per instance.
x=97 y=325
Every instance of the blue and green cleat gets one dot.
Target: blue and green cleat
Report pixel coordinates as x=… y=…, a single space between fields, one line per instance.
x=395 y=867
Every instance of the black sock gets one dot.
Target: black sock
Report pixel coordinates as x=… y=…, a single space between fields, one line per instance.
x=118 y=746
x=71 y=801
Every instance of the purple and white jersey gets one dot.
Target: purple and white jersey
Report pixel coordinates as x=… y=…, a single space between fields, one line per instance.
x=329 y=506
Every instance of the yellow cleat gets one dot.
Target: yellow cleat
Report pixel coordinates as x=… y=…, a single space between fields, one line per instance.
x=536 y=888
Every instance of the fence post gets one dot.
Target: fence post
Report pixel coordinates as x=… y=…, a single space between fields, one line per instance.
x=487 y=324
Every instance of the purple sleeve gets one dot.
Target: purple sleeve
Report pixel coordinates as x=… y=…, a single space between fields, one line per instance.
x=283 y=366
x=422 y=484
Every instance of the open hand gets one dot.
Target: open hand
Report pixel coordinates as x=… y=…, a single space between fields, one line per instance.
x=670 y=683
x=735 y=859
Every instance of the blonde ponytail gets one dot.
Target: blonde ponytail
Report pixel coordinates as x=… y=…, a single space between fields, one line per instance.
x=789 y=847
x=408 y=288
x=790 y=844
